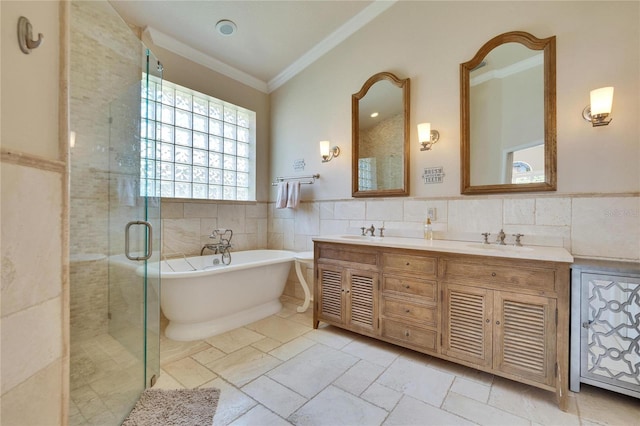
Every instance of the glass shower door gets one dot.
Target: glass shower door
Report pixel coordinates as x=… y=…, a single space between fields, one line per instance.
x=114 y=223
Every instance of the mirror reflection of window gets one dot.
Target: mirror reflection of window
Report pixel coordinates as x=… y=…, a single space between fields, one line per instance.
x=527 y=165
x=367 y=174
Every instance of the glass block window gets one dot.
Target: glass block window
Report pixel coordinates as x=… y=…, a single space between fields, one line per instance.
x=204 y=147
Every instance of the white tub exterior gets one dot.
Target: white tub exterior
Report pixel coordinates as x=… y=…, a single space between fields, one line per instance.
x=217 y=298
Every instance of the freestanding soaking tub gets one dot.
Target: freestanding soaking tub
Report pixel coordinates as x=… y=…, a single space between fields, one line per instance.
x=202 y=299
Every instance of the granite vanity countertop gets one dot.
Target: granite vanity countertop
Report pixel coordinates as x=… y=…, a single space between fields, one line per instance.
x=552 y=254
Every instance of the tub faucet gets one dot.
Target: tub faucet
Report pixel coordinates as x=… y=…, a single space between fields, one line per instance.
x=501 y=237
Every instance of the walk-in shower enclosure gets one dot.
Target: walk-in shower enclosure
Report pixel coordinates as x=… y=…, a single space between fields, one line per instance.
x=114 y=305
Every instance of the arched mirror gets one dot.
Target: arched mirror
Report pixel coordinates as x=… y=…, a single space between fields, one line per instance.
x=508 y=116
x=380 y=137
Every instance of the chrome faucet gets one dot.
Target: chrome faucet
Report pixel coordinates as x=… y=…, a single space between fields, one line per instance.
x=501 y=237
x=486 y=237
x=221 y=245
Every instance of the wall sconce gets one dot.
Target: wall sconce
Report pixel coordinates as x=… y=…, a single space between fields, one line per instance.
x=597 y=112
x=327 y=152
x=426 y=136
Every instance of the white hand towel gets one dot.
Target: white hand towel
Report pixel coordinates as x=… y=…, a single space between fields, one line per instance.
x=127 y=190
x=293 y=198
x=281 y=200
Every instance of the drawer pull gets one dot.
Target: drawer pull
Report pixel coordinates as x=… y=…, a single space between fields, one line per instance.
x=493 y=274
x=407 y=286
x=408 y=263
x=406 y=333
x=407 y=311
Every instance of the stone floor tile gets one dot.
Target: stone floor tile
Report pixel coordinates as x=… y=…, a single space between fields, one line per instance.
x=374 y=351
x=259 y=415
x=189 y=372
x=312 y=370
x=331 y=336
x=334 y=406
x=479 y=412
x=244 y=365
x=166 y=381
x=471 y=389
x=274 y=396
x=292 y=348
x=417 y=380
x=232 y=403
x=233 y=340
x=278 y=328
x=534 y=404
x=411 y=412
x=607 y=407
x=207 y=356
x=267 y=344
x=359 y=377
x=381 y=396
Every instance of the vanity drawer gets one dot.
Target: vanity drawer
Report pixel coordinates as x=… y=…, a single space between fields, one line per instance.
x=515 y=275
x=337 y=252
x=409 y=335
x=410 y=287
x=422 y=314
x=422 y=265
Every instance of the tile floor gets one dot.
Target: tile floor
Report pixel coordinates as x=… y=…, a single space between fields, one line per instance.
x=279 y=371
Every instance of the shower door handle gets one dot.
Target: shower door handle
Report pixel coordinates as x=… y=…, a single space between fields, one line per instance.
x=149 y=240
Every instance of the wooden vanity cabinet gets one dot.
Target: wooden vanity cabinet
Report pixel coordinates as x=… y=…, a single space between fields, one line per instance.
x=347 y=289
x=508 y=317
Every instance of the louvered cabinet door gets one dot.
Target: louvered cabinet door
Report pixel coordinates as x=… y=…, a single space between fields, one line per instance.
x=362 y=300
x=467 y=328
x=331 y=291
x=524 y=336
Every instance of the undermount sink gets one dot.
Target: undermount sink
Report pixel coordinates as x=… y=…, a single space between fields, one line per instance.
x=361 y=237
x=482 y=246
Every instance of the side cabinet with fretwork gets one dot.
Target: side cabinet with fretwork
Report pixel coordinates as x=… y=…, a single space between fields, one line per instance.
x=605 y=325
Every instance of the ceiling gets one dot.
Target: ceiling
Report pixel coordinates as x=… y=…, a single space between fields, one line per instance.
x=274 y=39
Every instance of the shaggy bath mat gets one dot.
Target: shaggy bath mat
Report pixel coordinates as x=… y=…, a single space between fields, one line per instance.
x=184 y=407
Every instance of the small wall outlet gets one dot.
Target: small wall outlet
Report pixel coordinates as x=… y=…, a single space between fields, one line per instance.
x=431 y=213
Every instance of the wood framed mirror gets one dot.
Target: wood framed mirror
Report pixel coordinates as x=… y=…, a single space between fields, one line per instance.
x=380 y=137
x=508 y=116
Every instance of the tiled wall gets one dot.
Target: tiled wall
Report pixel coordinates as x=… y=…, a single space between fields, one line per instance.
x=587 y=226
x=34 y=244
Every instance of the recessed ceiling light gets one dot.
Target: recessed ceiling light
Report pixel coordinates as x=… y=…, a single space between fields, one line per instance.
x=374 y=114
x=226 y=27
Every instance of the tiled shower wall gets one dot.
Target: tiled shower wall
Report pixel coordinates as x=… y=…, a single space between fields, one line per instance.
x=606 y=226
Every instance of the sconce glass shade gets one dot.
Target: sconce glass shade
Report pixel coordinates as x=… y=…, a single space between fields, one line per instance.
x=424 y=132
x=327 y=151
x=601 y=100
x=426 y=136
x=325 y=147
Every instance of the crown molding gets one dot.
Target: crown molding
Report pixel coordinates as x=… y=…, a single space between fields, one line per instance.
x=332 y=40
x=515 y=68
x=316 y=52
x=167 y=42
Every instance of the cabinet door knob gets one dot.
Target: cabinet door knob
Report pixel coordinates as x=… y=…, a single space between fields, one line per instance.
x=407 y=310
x=406 y=286
x=493 y=274
x=406 y=333
x=497 y=322
x=408 y=263
x=488 y=320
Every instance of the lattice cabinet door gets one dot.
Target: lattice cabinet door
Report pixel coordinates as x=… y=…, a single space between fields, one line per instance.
x=610 y=331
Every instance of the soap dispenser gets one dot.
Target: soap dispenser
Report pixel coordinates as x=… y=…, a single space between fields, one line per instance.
x=428 y=231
